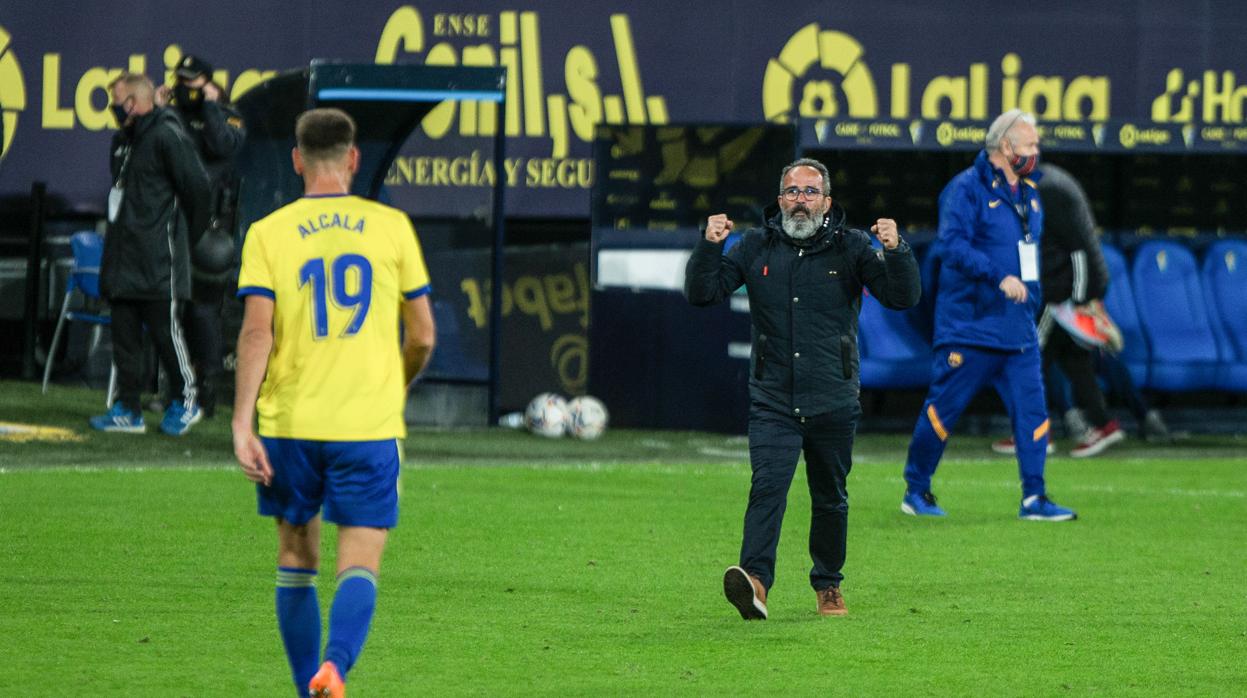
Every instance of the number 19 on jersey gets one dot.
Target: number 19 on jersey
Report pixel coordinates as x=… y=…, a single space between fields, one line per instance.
x=336 y=285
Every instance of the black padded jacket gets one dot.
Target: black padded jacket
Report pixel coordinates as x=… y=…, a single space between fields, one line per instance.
x=804 y=299
x=163 y=212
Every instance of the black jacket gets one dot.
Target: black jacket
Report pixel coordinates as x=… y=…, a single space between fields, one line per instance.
x=216 y=129
x=164 y=211
x=804 y=299
x=1072 y=266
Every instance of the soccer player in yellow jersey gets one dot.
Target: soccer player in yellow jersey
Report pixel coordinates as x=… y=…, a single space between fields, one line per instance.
x=326 y=280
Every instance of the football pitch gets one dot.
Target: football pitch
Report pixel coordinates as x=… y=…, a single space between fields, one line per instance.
x=136 y=566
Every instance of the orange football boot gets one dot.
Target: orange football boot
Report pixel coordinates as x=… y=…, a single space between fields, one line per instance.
x=327 y=683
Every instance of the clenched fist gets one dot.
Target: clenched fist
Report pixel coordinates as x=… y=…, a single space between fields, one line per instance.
x=718 y=227
x=885 y=230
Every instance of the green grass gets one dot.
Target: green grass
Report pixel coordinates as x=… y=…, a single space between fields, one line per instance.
x=136 y=566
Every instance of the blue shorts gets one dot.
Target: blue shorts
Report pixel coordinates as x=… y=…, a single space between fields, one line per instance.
x=356 y=481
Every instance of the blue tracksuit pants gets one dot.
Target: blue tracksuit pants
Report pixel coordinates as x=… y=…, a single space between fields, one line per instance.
x=958 y=373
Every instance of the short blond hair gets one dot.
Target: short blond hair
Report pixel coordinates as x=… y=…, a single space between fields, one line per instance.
x=137 y=82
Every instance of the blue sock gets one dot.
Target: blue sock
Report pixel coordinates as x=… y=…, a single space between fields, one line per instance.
x=298 y=618
x=350 y=617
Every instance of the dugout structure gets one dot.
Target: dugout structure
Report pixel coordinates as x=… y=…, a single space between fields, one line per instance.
x=389 y=103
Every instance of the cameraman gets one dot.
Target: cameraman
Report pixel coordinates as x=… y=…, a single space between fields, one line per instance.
x=217 y=131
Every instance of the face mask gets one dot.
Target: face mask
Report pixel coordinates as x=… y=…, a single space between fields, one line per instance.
x=119 y=113
x=1023 y=165
x=190 y=98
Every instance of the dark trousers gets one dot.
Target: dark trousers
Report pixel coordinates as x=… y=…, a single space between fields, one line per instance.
x=775 y=441
x=1078 y=365
x=1122 y=384
x=164 y=325
x=203 y=336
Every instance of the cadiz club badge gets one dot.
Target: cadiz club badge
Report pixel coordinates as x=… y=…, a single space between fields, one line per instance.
x=819 y=74
x=12 y=92
x=955 y=359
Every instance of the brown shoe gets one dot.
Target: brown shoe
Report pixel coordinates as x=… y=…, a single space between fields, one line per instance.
x=831 y=602
x=745 y=592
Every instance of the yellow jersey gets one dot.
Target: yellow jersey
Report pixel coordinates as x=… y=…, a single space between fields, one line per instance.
x=337 y=268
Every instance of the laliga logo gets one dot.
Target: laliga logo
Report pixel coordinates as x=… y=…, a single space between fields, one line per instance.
x=1129 y=135
x=12 y=92
x=814 y=61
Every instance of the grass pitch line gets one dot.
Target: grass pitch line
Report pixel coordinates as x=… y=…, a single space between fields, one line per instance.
x=93 y=469
x=724 y=453
x=1097 y=489
x=647 y=468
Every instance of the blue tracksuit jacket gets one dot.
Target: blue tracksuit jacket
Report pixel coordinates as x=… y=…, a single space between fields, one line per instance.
x=981 y=222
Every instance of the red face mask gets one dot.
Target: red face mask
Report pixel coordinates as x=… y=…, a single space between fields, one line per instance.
x=1023 y=165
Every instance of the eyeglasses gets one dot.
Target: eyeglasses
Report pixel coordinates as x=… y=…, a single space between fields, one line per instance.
x=794 y=193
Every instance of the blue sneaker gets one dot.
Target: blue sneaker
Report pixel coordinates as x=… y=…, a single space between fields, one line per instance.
x=1038 y=507
x=920 y=504
x=121 y=420
x=178 y=419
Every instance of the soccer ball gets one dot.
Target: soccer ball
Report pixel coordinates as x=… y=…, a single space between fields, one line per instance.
x=587 y=417
x=546 y=415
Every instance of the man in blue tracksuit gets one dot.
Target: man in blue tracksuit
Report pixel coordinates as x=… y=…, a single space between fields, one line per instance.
x=987 y=296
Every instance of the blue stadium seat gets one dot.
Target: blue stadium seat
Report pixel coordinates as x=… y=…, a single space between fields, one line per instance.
x=894 y=352
x=84 y=280
x=1171 y=304
x=1119 y=301
x=1225 y=289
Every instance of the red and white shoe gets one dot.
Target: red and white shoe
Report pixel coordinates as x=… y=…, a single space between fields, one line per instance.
x=1096 y=440
x=1008 y=448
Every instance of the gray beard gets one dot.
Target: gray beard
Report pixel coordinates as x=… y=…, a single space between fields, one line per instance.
x=801 y=228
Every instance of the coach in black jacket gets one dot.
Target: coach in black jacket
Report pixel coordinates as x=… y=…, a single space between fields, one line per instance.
x=158 y=208
x=804 y=272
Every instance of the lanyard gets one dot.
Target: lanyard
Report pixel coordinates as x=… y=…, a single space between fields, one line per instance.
x=1020 y=208
x=125 y=165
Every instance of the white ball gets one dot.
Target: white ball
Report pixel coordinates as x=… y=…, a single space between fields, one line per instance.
x=587 y=417
x=547 y=415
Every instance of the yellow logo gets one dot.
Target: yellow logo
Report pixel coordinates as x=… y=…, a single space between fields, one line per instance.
x=993 y=203
x=1129 y=135
x=1231 y=260
x=569 y=355
x=22 y=433
x=1162 y=260
x=947 y=134
x=954 y=359
x=825 y=66
x=12 y=92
